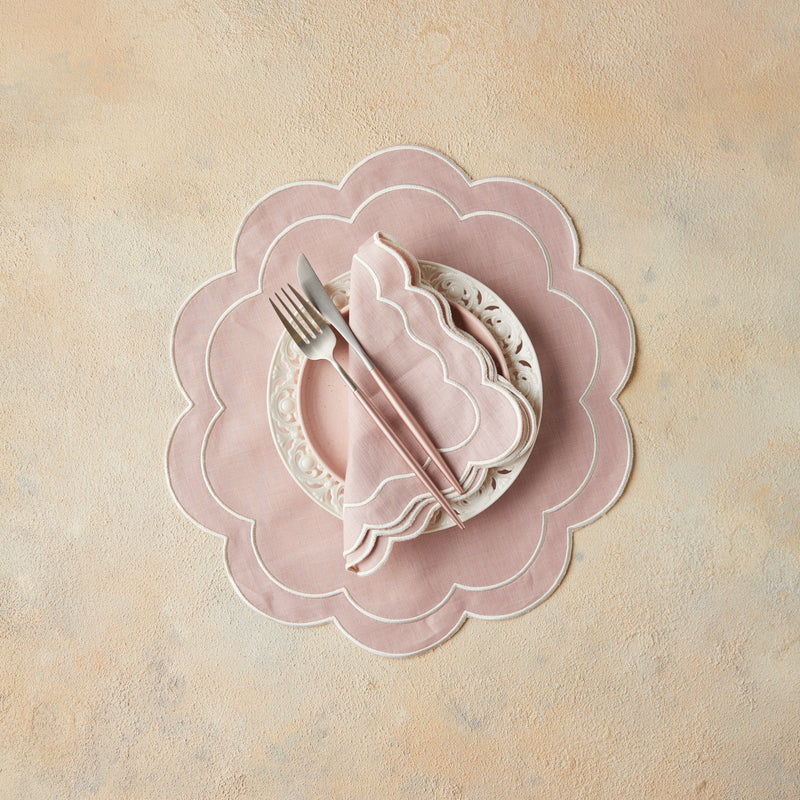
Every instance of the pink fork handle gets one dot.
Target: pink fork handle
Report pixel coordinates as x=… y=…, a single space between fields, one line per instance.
x=407 y=457
x=419 y=434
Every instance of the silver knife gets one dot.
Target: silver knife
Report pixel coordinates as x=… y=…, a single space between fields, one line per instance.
x=316 y=293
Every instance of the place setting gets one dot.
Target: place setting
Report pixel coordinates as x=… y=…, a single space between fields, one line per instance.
x=401 y=401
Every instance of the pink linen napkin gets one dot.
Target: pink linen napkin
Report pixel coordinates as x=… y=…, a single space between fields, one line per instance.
x=476 y=418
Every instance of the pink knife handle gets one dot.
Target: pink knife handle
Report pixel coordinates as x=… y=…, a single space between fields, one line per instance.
x=407 y=457
x=419 y=434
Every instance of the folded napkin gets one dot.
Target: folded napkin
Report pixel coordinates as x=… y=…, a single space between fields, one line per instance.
x=476 y=418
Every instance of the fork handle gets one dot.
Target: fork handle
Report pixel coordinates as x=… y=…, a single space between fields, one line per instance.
x=404 y=452
x=416 y=429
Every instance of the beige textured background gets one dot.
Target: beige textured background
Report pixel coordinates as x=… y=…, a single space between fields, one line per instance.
x=134 y=138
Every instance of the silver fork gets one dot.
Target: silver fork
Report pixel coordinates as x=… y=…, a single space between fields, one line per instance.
x=316 y=340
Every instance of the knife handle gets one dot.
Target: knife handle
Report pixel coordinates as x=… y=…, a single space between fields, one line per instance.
x=416 y=429
x=406 y=455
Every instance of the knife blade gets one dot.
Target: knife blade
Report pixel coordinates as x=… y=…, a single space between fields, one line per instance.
x=317 y=294
x=311 y=284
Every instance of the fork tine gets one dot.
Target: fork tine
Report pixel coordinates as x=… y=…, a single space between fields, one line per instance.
x=290 y=329
x=315 y=315
x=301 y=317
x=299 y=322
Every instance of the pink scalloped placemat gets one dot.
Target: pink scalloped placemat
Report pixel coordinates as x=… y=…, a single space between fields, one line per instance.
x=283 y=552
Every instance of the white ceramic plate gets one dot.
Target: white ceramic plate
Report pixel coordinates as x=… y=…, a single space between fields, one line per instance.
x=307 y=400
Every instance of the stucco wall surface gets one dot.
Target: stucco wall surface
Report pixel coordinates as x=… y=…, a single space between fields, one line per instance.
x=134 y=138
